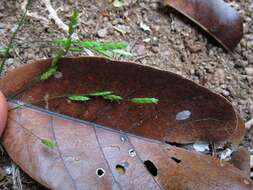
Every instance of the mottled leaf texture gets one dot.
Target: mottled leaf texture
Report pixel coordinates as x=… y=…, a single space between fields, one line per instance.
x=215 y=16
x=107 y=145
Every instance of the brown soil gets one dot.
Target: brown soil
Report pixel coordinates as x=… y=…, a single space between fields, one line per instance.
x=173 y=44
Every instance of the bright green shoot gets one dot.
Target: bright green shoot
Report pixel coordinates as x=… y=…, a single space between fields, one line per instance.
x=79 y=98
x=113 y=98
x=145 y=100
x=107 y=95
x=48 y=143
x=3 y=51
x=108 y=49
x=101 y=93
x=64 y=49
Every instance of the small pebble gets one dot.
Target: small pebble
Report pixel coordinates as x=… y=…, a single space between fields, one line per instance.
x=102 y=32
x=249 y=71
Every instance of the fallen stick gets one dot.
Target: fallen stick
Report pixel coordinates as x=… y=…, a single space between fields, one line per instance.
x=53 y=15
x=34 y=14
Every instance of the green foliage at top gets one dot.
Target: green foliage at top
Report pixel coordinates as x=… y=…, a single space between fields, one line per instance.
x=145 y=100
x=108 y=49
x=73 y=22
x=63 y=50
x=102 y=46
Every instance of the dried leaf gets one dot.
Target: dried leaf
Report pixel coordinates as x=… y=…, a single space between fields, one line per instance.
x=215 y=16
x=95 y=157
x=101 y=145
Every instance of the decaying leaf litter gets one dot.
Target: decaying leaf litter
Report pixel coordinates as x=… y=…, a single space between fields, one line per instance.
x=100 y=143
x=205 y=71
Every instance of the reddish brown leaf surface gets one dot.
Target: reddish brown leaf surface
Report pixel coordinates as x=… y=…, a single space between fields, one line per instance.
x=84 y=148
x=214 y=16
x=212 y=118
x=131 y=134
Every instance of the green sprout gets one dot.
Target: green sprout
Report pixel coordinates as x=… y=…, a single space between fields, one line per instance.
x=64 y=49
x=101 y=93
x=113 y=98
x=48 y=143
x=145 y=100
x=79 y=98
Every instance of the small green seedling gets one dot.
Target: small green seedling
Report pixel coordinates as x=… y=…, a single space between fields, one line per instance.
x=48 y=143
x=108 y=49
x=145 y=100
x=50 y=72
x=113 y=98
x=3 y=51
x=64 y=49
x=100 y=94
x=79 y=98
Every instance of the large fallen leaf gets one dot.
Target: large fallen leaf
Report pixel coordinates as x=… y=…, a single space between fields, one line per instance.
x=104 y=145
x=215 y=16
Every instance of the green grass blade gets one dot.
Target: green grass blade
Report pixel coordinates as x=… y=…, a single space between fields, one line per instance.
x=113 y=98
x=101 y=93
x=145 y=100
x=79 y=98
x=48 y=143
x=73 y=22
x=49 y=73
x=3 y=51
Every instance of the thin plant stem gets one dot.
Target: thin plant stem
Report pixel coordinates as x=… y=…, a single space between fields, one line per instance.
x=20 y=24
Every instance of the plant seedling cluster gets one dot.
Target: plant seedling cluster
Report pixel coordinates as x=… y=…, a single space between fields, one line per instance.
x=108 y=49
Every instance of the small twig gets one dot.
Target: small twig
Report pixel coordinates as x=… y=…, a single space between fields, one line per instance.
x=34 y=14
x=20 y=24
x=53 y=15
x=249 y=124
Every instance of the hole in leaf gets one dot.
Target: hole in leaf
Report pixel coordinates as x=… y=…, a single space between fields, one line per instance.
x=120 y=169
x=132 y=152
x=176 y=160
x=183 y=115
x=100 y=172
x=151 y=167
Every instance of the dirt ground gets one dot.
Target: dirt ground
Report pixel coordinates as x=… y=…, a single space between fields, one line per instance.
x=173 y=43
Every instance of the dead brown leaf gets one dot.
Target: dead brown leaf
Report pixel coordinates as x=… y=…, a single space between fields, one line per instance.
x=215 y=16
x=105 y=145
